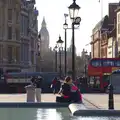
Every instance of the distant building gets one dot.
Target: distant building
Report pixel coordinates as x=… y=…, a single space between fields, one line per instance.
x=42 y=45
x=99 y=35
x=85 y=56
x=70 y=48
x=44 y=38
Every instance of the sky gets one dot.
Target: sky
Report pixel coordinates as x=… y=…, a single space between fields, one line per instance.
x=90 y=13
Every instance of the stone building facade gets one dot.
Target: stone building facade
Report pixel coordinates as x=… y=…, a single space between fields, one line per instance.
x=95 y=43
x=18 y=35
x=29 y=35
x=10 y=35
x=25 y=40
x=33 y=34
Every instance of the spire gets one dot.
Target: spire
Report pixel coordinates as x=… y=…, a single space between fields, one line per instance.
x=43 y=22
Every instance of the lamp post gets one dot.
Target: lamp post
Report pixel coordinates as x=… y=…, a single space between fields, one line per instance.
x=111 y=98
x=60 y=42
x=65 y=26
x=55 y=49
x=73 y=11
x=86 y=60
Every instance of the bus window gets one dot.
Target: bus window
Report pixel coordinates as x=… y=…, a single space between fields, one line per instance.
x=107 y=63
x=94 y=81
x=117 y=63
x=96 y=63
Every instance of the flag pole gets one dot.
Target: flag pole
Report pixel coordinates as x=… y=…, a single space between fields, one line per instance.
x=101 y=12
x=101 y=7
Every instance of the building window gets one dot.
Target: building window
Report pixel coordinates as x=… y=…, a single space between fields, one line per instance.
x=22 y=52
x=118 y=28
x=26 y=51
x=119 y=41
x=17 y=54
x=26 y=26
x=17 y=34
x=9 y=32
x=110 y=53
x=109 y=46
x=9 y=54
x=9 y=14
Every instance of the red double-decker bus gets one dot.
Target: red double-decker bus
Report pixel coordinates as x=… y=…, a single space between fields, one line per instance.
x=99 y=70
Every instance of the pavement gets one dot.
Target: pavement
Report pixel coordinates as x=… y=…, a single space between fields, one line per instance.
x=22 y=97
x=101 y=100
x=92 y=101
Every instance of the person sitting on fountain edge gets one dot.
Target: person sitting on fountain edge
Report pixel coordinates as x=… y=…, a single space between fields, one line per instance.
x=69 y=92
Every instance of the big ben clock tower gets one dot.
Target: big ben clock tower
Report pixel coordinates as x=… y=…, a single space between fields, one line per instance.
x=44 y=38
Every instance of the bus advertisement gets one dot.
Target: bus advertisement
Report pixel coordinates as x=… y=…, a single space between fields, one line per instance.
x=16 y=82
x=99 y=70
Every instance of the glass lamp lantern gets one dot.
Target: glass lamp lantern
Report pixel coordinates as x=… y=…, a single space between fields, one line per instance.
x=73 y=10
x=60 y=42
x=65 y=25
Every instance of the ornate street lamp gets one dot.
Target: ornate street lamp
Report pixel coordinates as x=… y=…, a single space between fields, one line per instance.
x=73 y=11
x=65 y=26
x=60 y=42
x=55 y=49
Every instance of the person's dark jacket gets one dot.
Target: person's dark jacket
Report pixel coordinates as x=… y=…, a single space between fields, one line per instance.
x=65 y=89
x=38 y=82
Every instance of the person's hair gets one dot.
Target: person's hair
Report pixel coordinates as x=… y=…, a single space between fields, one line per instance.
x=55 y=78
x=67 y=79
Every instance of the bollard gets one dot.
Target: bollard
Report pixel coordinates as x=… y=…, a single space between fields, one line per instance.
x=38 y=94
x=30 y=90
x=111 y=98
